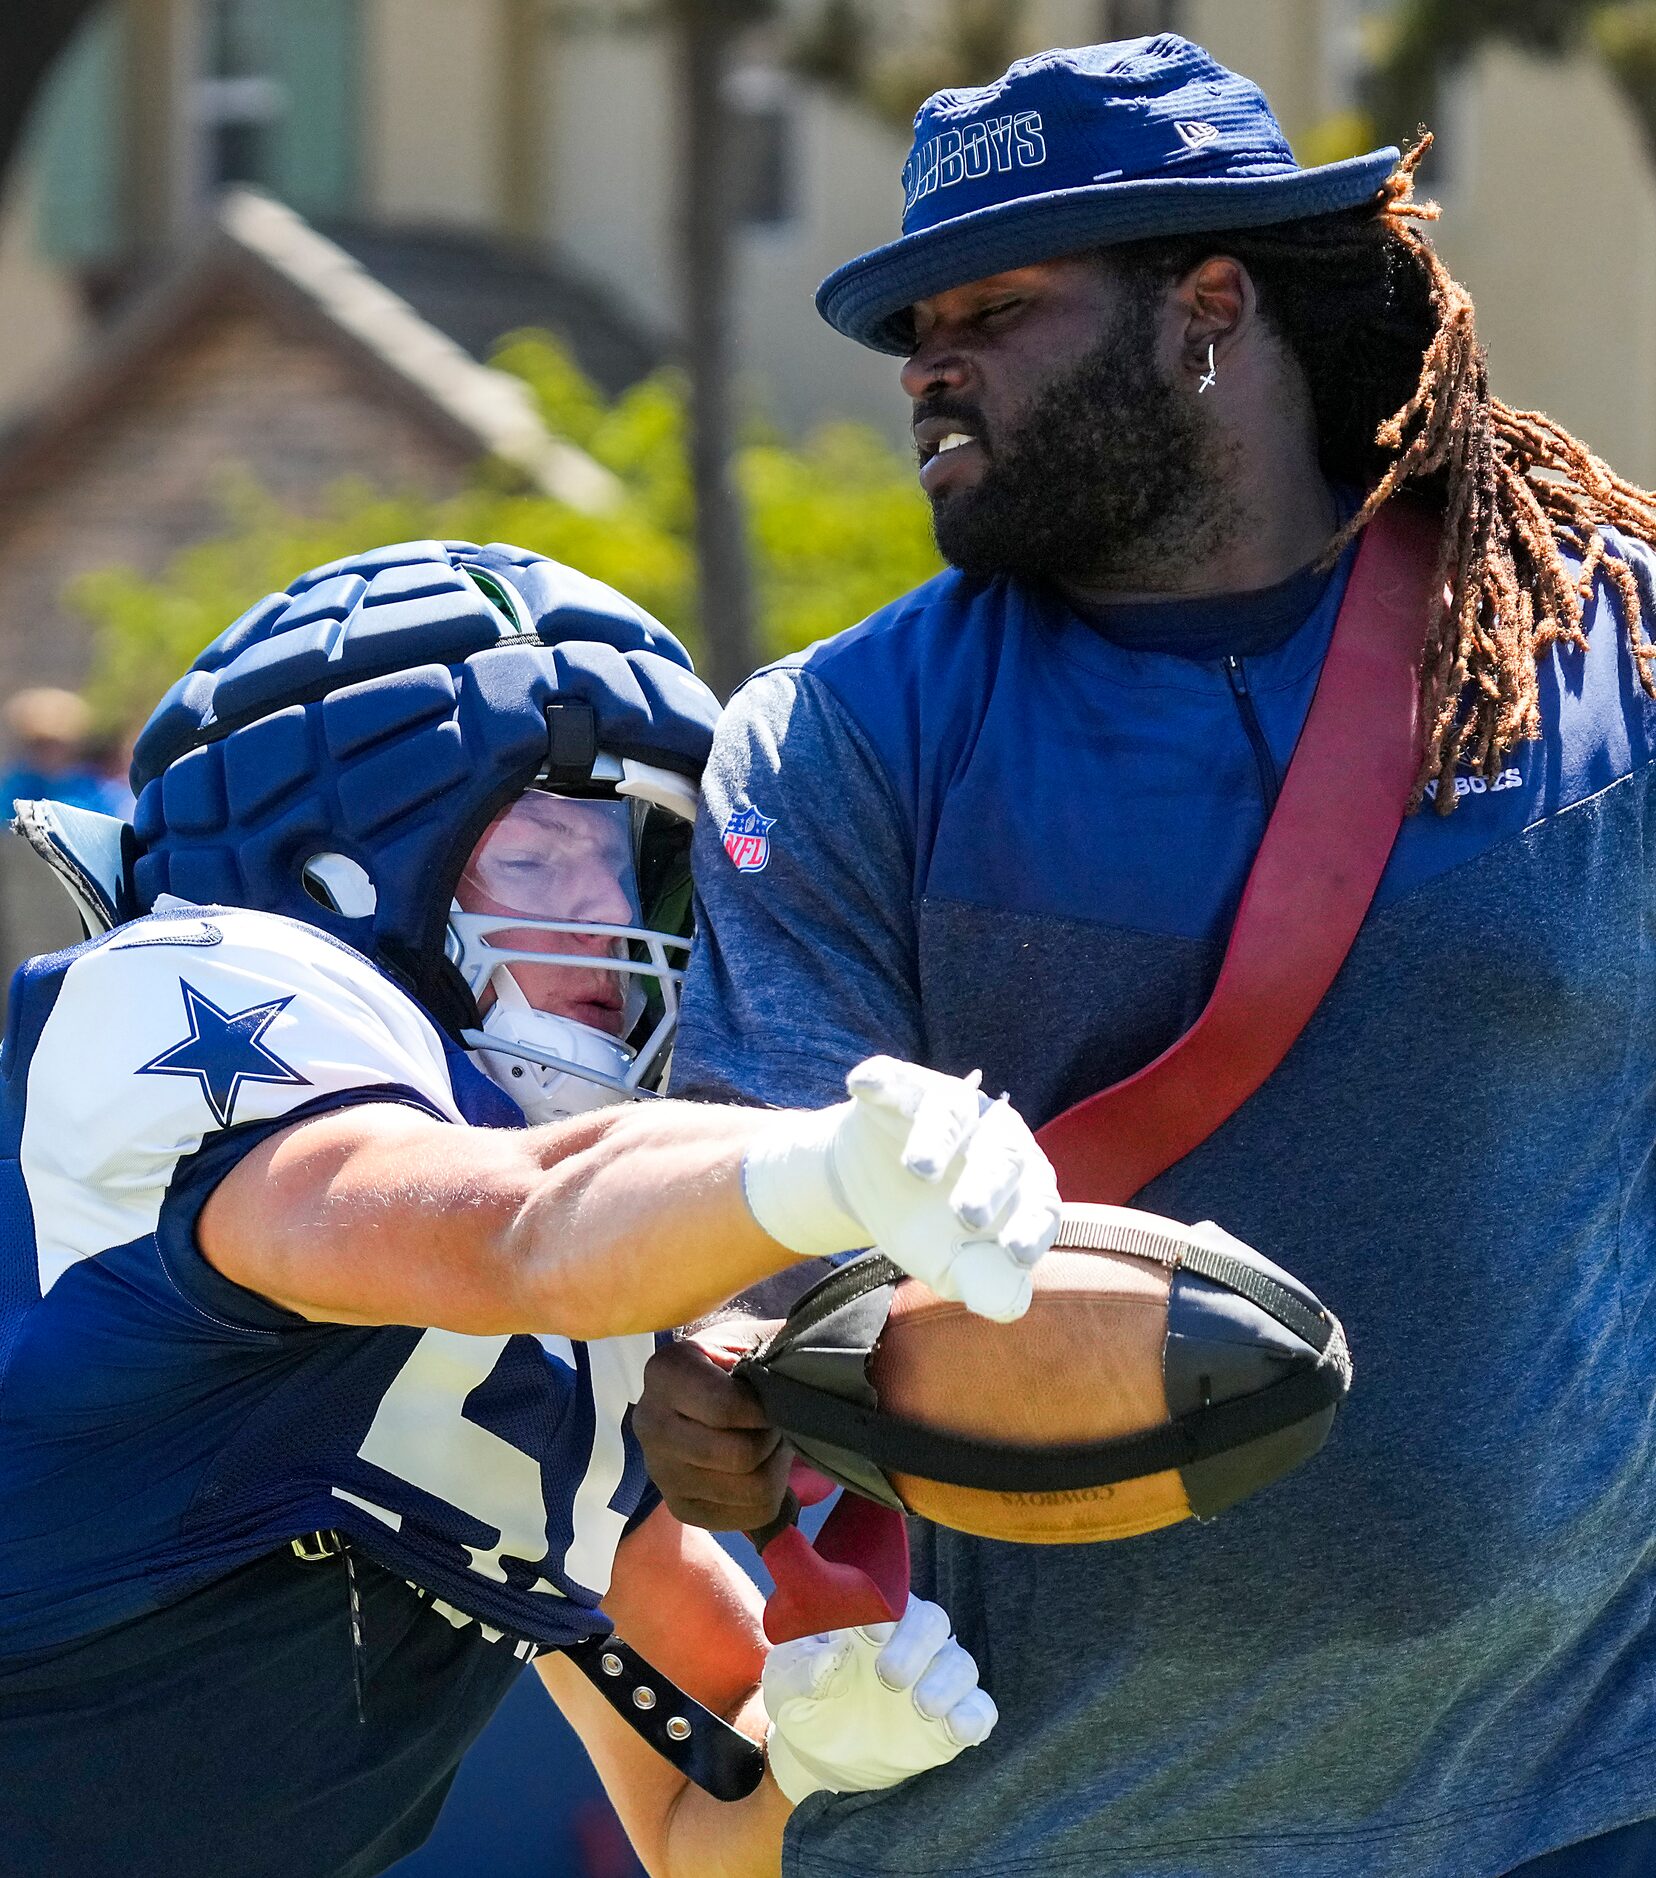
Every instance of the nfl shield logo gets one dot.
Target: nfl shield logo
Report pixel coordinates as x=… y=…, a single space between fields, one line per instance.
x=746 y=840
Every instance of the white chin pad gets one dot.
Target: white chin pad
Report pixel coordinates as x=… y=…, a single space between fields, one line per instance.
x=543 y=1093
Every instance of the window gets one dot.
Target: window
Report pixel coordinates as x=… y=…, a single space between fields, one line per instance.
x=763 y=153
x=239 y=102
x=275 y=100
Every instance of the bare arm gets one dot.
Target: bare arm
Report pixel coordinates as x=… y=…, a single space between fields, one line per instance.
x=632 y=1218
x=853 y=1710
x=625 y=1220
x=705 y=1634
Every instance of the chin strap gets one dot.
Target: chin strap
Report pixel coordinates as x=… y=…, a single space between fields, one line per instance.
x=589 y=1066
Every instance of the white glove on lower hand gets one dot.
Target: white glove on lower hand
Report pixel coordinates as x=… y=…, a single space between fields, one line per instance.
x=856 y=1710
x=948 y=1185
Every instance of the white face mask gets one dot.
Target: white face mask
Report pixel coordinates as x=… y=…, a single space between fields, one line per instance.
x=547 y=931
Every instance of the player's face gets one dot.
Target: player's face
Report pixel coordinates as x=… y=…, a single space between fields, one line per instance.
x=1054 y=437
x=551 y=857
x=985 y=351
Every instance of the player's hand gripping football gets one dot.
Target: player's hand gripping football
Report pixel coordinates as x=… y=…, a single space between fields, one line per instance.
x=948 y=1185
x=854 y=1710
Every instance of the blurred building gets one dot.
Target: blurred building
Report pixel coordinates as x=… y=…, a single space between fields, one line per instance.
x=490 y=133
x=442 y=138
x=266 y=347
x=447 y=140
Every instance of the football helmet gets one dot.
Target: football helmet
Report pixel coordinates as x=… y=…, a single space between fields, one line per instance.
x=474 y=765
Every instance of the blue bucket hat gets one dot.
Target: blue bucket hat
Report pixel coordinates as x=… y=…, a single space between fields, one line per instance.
x=1080 y=149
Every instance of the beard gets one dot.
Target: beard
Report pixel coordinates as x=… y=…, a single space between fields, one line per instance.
x=1107 y=480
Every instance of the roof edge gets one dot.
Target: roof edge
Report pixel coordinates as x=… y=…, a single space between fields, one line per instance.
x=490 y=406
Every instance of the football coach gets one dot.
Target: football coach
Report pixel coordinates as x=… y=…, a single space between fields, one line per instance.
x=1167 y=385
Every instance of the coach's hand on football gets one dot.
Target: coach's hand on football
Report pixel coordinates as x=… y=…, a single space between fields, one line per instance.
x=947 y=1184
x=854 y=1710
x=718 y=1462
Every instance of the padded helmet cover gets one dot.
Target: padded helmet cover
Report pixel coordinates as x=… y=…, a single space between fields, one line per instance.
x=385 y=707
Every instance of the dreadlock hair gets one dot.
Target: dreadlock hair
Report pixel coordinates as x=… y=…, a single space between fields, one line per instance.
x=1399 y=390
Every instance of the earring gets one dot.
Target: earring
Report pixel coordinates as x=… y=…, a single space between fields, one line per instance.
x=1210 y=377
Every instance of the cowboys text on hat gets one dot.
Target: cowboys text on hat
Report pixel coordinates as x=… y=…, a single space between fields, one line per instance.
x=954 y=155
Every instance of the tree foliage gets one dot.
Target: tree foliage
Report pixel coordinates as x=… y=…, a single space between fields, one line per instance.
x=838 y=527
x=1625 y=37
x=33 y=36
x=1426 y=40
x=854 y=47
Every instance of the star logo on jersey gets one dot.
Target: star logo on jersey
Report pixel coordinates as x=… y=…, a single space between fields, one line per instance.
x=223 y=1051
x=747 y=839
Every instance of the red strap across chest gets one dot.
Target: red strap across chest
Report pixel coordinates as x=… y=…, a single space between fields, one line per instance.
x=1312 y=881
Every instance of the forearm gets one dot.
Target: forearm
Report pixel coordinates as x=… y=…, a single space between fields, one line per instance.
x=646 y=1224
x=680 y=1600
x=628 y=1219
x=850 y=1711
x=708 y=1838
x=633 y=1218
x=677 y=1830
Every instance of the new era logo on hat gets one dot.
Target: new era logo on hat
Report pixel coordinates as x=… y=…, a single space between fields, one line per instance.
x=1075 y=149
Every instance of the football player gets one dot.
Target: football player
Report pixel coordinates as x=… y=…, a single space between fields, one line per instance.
x=329 y=1246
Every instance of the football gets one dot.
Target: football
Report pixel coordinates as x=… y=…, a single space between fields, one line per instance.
x=1161 y=1372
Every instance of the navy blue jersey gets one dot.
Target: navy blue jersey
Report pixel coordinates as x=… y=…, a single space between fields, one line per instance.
x=162 y=1428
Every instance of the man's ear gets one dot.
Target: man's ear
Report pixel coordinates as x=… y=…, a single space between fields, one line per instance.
x=1217 y=304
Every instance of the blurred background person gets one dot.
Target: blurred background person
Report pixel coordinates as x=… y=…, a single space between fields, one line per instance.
x=48 y=732
x=109 y=757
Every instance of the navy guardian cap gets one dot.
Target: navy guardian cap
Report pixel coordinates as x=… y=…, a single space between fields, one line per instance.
x=1079 y=149
x=336 y=754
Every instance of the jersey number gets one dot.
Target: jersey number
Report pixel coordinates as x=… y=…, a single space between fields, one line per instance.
x=421 y=1434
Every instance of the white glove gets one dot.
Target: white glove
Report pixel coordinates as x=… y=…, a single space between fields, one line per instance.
x=948 y=1185
x=855 y=1710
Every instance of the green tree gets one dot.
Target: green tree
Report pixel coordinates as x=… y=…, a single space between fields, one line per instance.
x=704 y=37
x=838 y=526
x=1426 y=40
x=854 y=47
